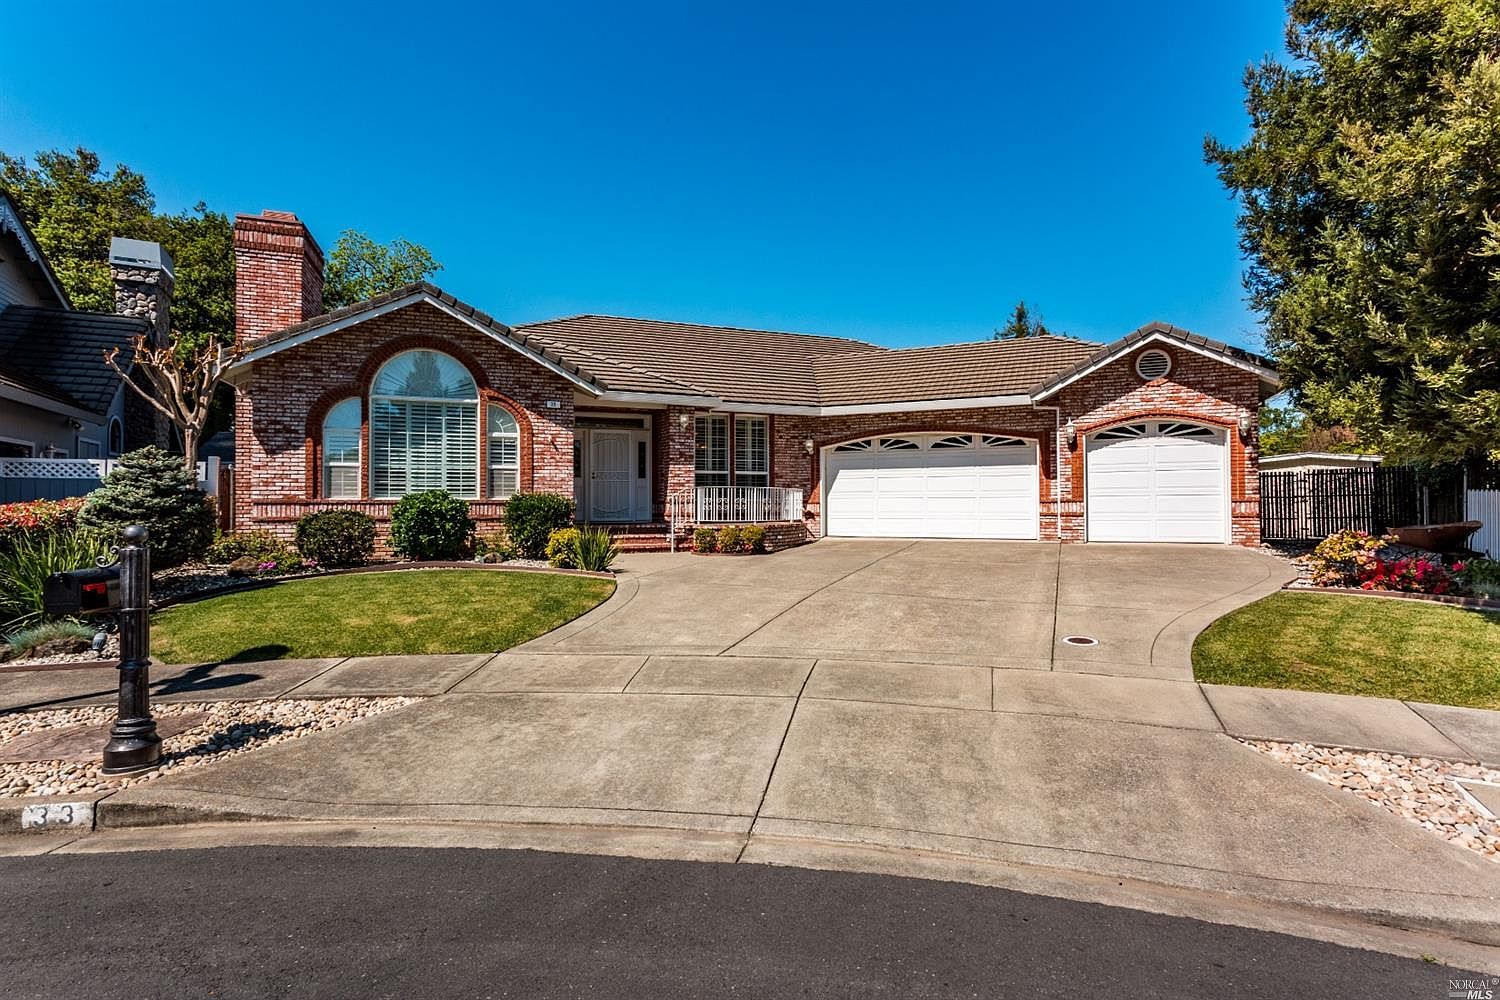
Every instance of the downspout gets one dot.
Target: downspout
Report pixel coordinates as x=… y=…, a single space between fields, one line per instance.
x=1057 y=461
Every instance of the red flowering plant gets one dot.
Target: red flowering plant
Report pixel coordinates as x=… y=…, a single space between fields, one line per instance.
x=36 y=517
x=1415 y=574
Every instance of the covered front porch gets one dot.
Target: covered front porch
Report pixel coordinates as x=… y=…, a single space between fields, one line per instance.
x=652 y=476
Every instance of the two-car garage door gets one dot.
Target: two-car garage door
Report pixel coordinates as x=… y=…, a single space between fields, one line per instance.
x=933 y=485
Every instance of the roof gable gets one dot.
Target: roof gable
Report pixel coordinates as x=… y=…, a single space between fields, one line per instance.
x=1163 y=333
x=14 y=226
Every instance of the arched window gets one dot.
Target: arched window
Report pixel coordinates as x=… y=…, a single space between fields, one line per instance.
x=424 y=427
x=116 y=437
x=341 y=434
x=505 y=452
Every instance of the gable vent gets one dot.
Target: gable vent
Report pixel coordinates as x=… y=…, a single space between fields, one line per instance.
x=1153 y=364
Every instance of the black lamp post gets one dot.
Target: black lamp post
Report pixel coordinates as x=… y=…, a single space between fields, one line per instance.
x=133 y=744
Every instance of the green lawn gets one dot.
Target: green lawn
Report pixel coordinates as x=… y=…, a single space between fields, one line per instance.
x=360 y=614
x=1356 y=645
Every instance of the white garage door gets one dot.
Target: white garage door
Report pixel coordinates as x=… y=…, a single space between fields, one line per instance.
x=1160 y=481
x=933 y=486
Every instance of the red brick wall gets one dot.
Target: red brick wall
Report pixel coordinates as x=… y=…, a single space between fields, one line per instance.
x=1197 y=388
x=278 y=274
x=278 y=412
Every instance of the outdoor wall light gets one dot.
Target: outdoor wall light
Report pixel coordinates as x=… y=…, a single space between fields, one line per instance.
x=808 y=445
x=683 y=419
x=1070 y=429
x=1245 y=424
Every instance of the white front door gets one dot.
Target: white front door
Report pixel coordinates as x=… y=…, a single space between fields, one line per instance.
x=934 y=485
x=610 y=477
x=1159 y=481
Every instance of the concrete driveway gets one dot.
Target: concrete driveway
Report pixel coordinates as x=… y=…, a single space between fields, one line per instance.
x=976 y=603
x=855 y=696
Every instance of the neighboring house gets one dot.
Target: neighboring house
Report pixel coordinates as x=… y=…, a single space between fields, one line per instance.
x=1149 y=438
x=1295 y=461
x=58 y=399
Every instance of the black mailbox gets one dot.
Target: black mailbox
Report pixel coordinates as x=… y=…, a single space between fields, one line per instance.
x=82 y=591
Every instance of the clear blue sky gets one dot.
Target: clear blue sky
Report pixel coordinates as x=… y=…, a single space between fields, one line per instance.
x=901 y=173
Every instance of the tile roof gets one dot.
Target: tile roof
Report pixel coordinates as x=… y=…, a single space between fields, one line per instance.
x=949 y=371
x=733 y=364
x=60 y=353
x=658 y=357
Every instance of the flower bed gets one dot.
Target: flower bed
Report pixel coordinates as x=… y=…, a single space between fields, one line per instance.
x=1358 y=560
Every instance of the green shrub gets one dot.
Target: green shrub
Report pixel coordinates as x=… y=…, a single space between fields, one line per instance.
x=729 y=538
x=705 y=540
x=33 y=517
x=259 y=544
x=595 y=550
x=25 y=568
x=151 y=488
x=1341 y=558
x=562 y=548
x=23 y=641
x=337 y=537
x=431 y=525
x=1480 y=576
x=530 y=519
x=753 y=538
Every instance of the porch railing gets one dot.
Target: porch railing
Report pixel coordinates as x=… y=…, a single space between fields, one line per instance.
x=732 y=505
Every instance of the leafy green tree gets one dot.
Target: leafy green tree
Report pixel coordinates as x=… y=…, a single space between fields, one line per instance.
x=1023 y=322
x=74 y=207
x=1369 y=192
x=1286 y=429
x=358 y=268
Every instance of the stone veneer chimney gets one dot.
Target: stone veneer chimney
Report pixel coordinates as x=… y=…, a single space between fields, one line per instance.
x=278 y=274
x=143 y=278
x=142 y=273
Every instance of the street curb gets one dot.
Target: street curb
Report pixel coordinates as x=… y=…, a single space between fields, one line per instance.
x=11 y=810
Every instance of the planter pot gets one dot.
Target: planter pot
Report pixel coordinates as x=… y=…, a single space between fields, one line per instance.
x=1437 y=537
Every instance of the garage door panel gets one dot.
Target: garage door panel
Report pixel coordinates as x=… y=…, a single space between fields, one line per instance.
x=1158 y=487
x=946 y=492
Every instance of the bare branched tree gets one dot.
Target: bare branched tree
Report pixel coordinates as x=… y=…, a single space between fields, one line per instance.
x=183 y=384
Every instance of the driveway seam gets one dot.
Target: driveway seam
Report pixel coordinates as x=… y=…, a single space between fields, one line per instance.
x=308 y=680
x=806 y=597
x=1056 y=605
x=771 y=773
x=1193 y=610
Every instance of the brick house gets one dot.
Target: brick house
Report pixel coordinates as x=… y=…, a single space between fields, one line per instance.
x=648 y=423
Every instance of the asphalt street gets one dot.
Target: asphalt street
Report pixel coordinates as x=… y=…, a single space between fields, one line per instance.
x=360 y=922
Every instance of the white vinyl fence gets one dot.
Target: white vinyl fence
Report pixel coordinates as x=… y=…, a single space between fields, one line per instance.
x=1484 y=505
x=61 y=478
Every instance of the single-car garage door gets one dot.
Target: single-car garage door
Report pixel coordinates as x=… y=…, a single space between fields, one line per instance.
x=1159 y=481
x=934 y=486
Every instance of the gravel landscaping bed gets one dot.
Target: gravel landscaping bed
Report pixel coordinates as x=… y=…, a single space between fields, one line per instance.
x=1417 y=788
x=229 y=728
x=111 y=652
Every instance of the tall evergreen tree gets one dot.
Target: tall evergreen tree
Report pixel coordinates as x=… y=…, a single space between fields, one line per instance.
x=1370 y=213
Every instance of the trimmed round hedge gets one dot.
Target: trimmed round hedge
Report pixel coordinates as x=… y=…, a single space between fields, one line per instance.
x=337 y=537
x=431 y=525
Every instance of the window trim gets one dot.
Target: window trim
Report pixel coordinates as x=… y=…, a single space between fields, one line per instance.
x=762 y=477
x=325 y=465
x=700 y=472
x=491 y=466
x=109 y=436
x=474 y=404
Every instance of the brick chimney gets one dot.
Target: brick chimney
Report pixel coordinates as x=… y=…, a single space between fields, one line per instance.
x=278 y=274
x=142 y=273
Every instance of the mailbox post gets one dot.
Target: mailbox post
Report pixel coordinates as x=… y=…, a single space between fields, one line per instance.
x=133 y=744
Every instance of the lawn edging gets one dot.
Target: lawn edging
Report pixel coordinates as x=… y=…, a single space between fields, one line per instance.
x=1452 y=600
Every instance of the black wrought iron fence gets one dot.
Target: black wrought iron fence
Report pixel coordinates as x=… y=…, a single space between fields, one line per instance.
x=1309 y=504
